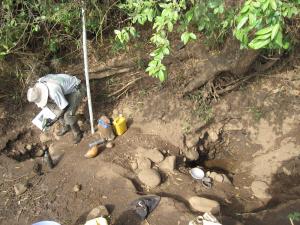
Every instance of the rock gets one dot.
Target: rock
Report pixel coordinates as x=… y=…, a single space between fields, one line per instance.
x=226 y=179
x=39 y=153
x=204 y=205
x=191 y=154
x=29 y=147
x=219 y=178
x=286 y=171
x=98 y=211
x=154 y=155
x=134 y=165
x=169 y=212
x=213 y=175
x=168 y=165
x=191 y=141
x=20 y=188
x=77 y=188
x=214 y=136
x=109 y=145
x=260 y=190
x=143 y=163
x=44 y=137
x=150 y=178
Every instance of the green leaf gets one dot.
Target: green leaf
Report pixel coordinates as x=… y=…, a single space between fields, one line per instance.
x=256 y=4
x=278 y=39
x=245 y=9
x=273 y=4
x=161 y=76
x=258 y=44
x=286 y=45
x=166 y=51
x=170 y=26
x=252 y=19
x=263 y=37
x=265 y=5
x=242 y=22
x=275 y=31
x=189 y=15
x=185 y=37
x=264 y=30
x=193 y=36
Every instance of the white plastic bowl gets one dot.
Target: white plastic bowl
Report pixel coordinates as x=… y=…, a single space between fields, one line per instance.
x=197 y=173
x=46 y=223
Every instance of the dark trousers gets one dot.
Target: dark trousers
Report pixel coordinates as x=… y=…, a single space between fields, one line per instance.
x=74 y=99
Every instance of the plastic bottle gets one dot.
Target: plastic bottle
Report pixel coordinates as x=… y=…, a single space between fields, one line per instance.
x=100 y=141
x=120 y=124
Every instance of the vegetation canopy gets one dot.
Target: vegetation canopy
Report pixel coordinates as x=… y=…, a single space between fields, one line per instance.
x=53 y=26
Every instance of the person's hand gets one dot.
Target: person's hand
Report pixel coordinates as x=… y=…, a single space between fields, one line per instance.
x=47 y=123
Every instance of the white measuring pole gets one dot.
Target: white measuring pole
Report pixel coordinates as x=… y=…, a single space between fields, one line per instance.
x=86 y=69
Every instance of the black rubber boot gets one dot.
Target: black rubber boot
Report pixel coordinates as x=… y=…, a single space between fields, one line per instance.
x=77 y=133
x=63 y=130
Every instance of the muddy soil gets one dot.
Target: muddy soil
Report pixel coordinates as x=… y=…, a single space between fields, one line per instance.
x=252 y=137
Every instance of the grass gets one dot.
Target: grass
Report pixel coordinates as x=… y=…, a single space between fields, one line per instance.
x=203 y=108
x=257 y=113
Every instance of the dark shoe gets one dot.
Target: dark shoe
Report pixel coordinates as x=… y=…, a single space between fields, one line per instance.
x=63 y=130
x=145 y=205
x=77 y=133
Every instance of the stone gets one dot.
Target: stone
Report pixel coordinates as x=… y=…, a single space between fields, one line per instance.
x=109 y=145
x=191 y=154
x=39 y=153
x=77 y=188
x=214 y=136
x=134 y=165
x=29 y=147
x=226 y=179
x=154 y=155
x=219 y=178
x=169 y=212
x=143 y=163
x=204 y=205
x=213 y=175
x=286 y=171
x=191 y=141
x=44 y=137
x=149 y=177
x=260 y=190
x=20 y=188
x=168 y=165
x=98 y=211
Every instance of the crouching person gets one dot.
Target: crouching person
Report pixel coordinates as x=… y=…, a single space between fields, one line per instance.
x=66 y=92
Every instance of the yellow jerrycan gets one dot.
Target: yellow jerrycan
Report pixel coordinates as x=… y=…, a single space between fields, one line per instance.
x=120 y=124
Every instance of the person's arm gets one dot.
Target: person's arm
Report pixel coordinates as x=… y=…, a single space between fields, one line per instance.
x=50 y=122
x=56 y=94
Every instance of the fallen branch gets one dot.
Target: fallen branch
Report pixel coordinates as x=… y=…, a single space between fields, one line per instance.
x=232 y=87
x=110 y=73
x=125 y=87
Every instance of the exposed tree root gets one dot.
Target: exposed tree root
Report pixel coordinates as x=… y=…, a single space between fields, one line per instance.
x=231 y=59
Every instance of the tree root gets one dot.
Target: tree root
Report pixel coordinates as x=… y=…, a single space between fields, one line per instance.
x=231 y=59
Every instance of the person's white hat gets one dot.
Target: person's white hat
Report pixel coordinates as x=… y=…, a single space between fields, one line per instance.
x=38 y=94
